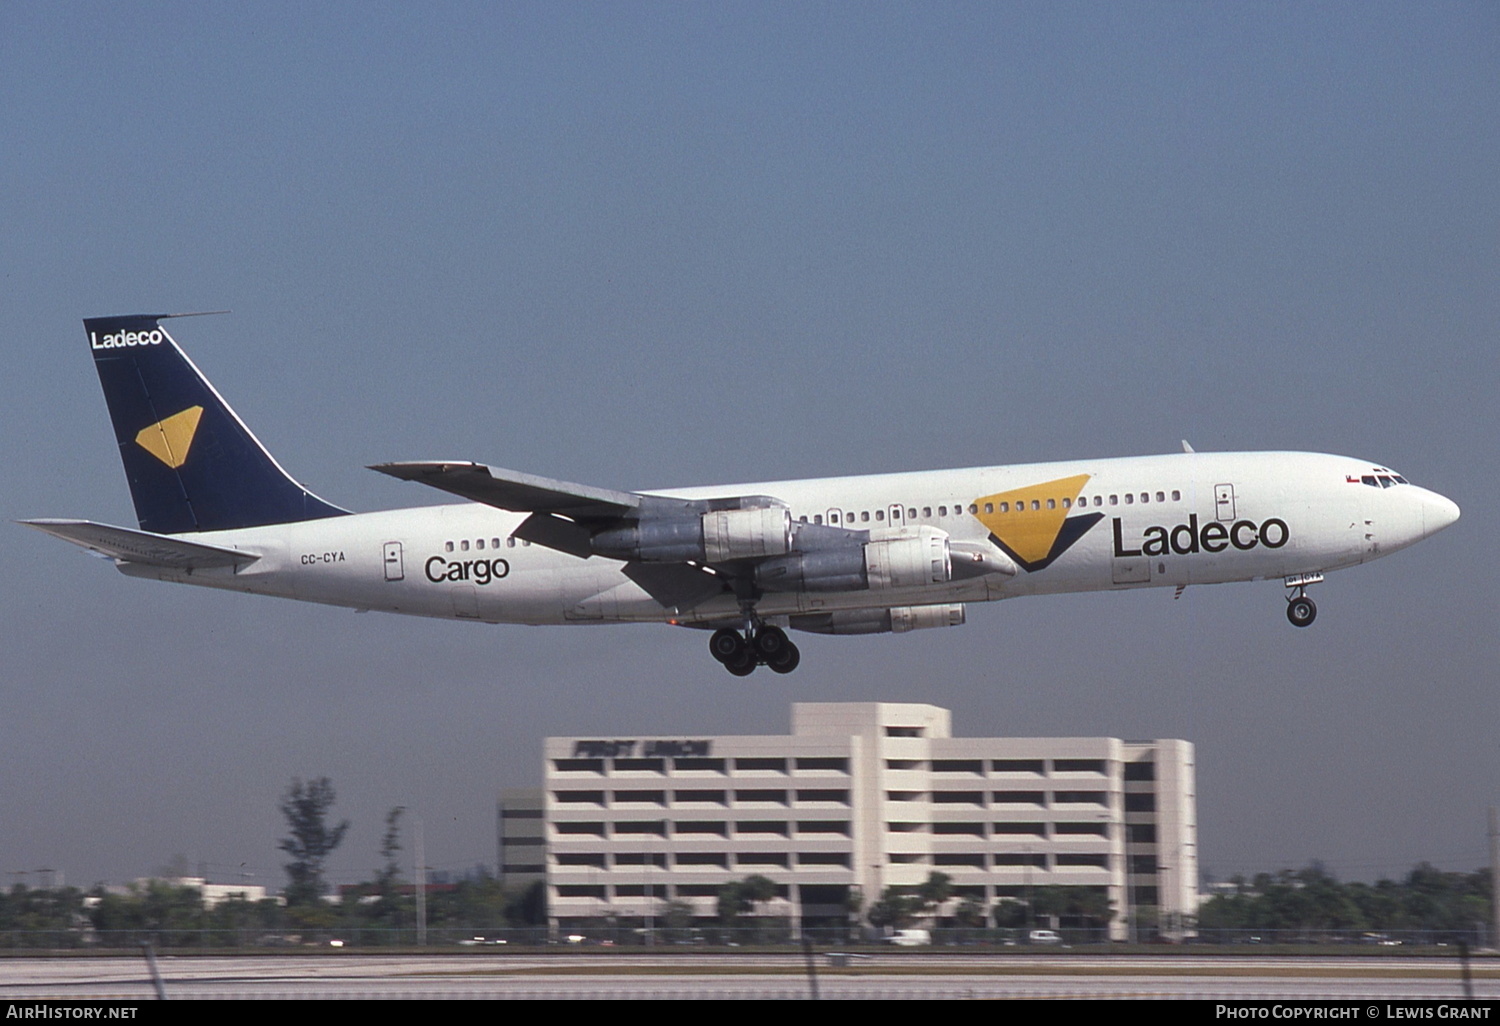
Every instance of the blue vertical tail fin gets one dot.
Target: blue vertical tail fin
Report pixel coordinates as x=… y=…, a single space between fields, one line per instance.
x=192 y=464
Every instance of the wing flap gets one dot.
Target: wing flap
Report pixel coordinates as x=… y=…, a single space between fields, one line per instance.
x=553 y=532
x=141 y=547
x=677 y=587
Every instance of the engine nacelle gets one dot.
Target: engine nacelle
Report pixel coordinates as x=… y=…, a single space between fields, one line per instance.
x=909 y=558
x=920 y=618
x=914 y=558
x=716 y=537
x=823 y=570
x=898 y=620
x=657 y=540
x=746 y=534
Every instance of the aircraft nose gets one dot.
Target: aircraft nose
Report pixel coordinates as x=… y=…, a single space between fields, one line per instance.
x=1438 y=511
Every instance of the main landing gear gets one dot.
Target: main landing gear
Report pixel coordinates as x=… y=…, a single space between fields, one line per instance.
x=761 y=646
x=1300 y=609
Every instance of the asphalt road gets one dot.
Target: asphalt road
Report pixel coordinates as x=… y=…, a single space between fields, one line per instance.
x=621 y=976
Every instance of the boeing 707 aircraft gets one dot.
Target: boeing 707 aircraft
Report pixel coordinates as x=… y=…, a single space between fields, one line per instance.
x=846 y=555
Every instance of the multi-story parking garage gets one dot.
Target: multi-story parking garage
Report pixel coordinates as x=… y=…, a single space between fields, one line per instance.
x=859 y=795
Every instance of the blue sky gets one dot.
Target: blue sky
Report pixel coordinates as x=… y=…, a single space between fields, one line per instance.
x=645 y=245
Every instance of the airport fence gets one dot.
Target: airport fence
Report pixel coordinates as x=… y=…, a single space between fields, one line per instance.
x=769 y=933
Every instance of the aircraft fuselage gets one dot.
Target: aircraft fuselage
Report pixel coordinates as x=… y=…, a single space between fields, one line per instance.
x=1153 y=521
x=847 y=555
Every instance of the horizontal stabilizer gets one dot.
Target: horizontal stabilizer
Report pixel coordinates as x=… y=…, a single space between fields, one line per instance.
x=515 y=491
x=141 y=547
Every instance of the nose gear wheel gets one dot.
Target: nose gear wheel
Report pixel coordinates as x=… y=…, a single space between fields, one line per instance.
x=1301 y=611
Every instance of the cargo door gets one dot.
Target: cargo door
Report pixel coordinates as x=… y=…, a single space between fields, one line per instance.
x=395 y=569
x=465 y=601
x=1224 y=502
x=1131 y=569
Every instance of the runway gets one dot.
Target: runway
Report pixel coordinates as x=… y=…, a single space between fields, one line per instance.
x=570 y=976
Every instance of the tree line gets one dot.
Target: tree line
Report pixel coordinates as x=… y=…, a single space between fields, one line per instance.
x=379 y=910
x=1306 y=901
x=1312 y=899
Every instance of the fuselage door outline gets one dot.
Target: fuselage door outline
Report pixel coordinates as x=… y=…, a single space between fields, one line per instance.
x=1224 y=502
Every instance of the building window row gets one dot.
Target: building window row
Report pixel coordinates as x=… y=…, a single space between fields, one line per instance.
x=718 y=828
x=697 y=859
x=699 y=796
x=1005 y=860
x=975 y=828
x=1143 y=895
x=700 y=764
x=1014 y=767
x=640 y=890
x=1041 y=799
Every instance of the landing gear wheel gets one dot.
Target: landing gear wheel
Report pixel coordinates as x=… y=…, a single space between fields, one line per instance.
x=787 y=661
x=726 y=645
x=770 y=643
x=743 y=665
x=1301 y=611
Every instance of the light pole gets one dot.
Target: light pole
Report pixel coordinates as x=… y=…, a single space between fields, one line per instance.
x=1494 y=876
x=1108 y=819
x=421 y=867
x=650 y=893
x=1026 y=868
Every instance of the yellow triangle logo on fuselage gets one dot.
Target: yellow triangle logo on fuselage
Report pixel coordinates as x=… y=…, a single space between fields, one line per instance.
x=1028 y=520
x=169 y=440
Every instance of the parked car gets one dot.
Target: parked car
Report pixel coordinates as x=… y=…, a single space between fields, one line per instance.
x=1043 y=937
x=910 y=938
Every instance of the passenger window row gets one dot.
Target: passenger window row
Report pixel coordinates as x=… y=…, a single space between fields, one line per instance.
x=838 y=518
x=479 y=544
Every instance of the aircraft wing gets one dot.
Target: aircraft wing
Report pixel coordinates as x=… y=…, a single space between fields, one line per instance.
x=142 y=547
x=520 y=493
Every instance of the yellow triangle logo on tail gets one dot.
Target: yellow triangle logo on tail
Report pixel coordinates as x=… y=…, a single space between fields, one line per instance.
x=169 y=440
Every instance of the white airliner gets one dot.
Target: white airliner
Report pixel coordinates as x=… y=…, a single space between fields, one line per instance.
x=848 y=555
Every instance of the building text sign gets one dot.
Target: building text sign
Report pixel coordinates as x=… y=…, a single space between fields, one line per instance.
x=642 y=749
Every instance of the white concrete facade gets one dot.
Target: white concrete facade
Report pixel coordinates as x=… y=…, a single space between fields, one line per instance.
x=860 y=796
x=213 y=894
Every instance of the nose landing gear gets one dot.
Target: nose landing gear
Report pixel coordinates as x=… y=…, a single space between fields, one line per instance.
x=1300 y=609
x=760 y=646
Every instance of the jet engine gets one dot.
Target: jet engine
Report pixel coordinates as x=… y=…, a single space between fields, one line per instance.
x=898 y=619
x=908 y=558
x=716 y=537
